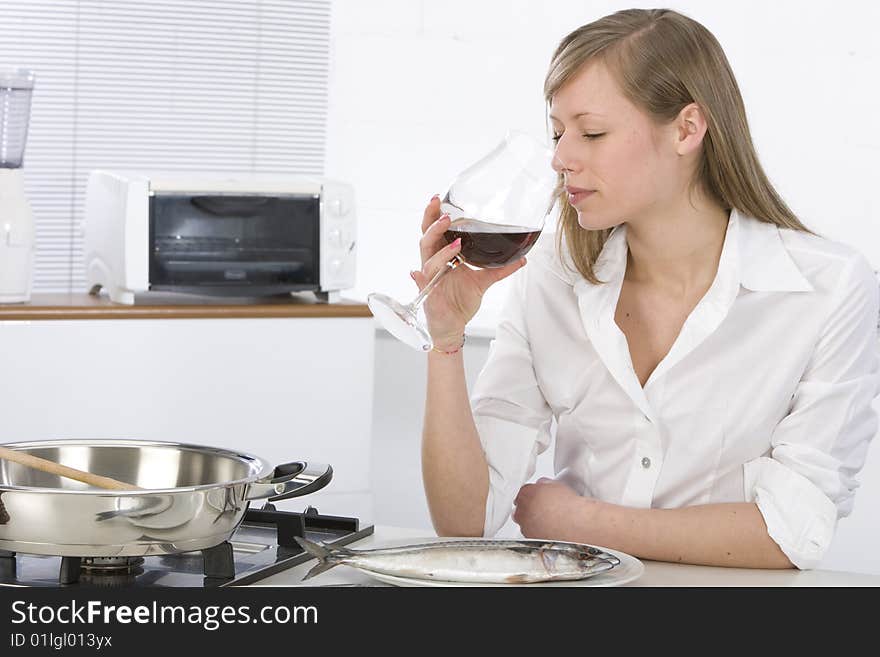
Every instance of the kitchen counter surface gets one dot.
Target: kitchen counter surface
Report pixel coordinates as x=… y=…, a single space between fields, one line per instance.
x=656 y=573
x=86 y=306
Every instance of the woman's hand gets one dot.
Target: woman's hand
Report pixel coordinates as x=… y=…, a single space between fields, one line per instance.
x=550 y=509
x=457 y=296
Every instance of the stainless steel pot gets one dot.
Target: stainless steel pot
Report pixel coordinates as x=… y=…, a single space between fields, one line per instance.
x=194 y=498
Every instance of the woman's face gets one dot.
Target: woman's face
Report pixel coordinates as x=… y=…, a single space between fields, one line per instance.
x=608 y=146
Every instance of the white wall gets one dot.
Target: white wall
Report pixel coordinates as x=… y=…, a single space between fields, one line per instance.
x=420 y=88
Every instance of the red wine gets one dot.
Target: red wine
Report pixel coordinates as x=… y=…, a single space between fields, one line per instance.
x=490 y=245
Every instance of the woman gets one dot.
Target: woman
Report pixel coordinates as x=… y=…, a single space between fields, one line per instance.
x=706 y=362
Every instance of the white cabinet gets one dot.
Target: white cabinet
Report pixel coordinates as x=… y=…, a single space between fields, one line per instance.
x=284 y=389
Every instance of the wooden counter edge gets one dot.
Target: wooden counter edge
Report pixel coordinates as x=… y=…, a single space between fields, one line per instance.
x=73 y=307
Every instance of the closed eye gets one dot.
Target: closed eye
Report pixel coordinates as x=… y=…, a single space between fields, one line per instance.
x=586 y=135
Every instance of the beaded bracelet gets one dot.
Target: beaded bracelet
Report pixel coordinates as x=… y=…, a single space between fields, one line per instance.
x=454 y=351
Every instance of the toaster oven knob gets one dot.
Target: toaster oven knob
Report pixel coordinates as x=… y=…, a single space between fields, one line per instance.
x=336 y=266
x=336 y=238
x=338 y=206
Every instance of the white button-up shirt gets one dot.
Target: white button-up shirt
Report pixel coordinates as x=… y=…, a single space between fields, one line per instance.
x=765 y=395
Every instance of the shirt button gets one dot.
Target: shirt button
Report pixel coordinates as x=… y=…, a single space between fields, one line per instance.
x=646 y=462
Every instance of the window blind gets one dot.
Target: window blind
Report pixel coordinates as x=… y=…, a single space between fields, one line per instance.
x=188 y=85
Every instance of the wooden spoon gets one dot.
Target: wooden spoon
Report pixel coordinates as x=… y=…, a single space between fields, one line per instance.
x=52 y=467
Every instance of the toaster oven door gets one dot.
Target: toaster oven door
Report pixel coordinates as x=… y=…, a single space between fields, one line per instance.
x=234 y=244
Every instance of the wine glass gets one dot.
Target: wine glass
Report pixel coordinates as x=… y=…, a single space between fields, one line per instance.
x=497 y=207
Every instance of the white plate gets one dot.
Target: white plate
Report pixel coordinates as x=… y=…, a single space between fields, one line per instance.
x=627 y=570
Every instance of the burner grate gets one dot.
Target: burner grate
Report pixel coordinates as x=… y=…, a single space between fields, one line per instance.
x=262 y=545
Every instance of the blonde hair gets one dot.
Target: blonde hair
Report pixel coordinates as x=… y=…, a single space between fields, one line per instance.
x=664 y=61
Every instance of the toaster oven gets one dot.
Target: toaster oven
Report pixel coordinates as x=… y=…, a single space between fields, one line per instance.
x=247 y=235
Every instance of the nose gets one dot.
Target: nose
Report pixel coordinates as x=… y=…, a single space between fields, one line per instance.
x=557 y=164
x=561 y=164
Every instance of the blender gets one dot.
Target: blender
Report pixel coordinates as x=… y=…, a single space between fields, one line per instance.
x=16 y=220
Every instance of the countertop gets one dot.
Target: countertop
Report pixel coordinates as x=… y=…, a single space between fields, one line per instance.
x=656 y=573
x=86 y=306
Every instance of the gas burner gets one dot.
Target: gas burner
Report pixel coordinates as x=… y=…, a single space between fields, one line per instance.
x=112 y=579
x=110 y=565
x=103 y=571
x=262 y=545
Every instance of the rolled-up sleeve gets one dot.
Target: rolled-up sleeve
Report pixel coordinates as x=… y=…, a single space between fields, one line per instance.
x=511 y=415
x=808 y=481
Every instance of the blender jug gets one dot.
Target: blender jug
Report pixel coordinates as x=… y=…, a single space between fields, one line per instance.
x=16 y=220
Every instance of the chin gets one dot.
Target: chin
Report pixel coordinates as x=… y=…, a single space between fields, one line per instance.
x=595 y=221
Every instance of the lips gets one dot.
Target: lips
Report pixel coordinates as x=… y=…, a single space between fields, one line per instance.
x=578 y=194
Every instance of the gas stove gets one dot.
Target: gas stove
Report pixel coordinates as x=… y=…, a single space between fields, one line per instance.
x=262 y=545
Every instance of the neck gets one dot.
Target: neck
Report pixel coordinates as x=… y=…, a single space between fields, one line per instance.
x=678 y=248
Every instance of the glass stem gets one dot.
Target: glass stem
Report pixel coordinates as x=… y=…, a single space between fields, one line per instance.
x=450 y=265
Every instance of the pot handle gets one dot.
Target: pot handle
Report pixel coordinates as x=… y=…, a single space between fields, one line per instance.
x=291 y=480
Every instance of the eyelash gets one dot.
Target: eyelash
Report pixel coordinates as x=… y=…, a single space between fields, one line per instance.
x=596 y=135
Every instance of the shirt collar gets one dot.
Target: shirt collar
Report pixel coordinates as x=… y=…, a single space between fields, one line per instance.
x=753 y=256
x=765 y=263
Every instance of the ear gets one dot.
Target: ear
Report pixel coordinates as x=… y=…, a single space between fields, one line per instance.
x=690 y=127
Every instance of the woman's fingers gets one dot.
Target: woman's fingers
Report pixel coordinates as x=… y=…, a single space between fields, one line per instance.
x=432 y=212
x=438 y=261
x=419 y=278
x=433 y=240
x=485 y=277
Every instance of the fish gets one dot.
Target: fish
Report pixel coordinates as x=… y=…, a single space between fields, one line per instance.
x=485 y=561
